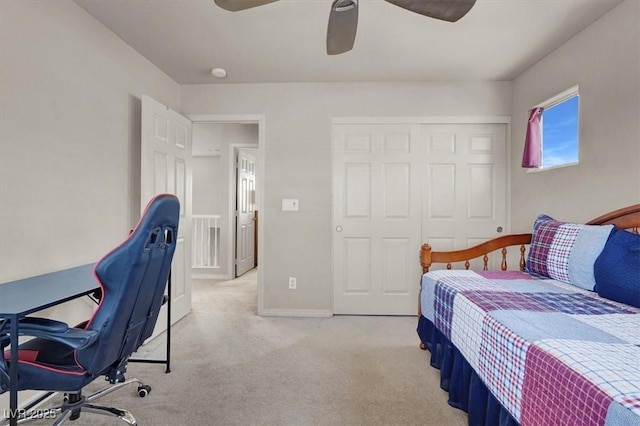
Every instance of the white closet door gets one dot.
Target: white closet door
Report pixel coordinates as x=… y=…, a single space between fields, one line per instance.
x=464 y=185
x=376 y=235
x=397 y=186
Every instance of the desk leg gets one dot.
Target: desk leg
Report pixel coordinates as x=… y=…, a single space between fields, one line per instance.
x=168 y=370
x=13 y=373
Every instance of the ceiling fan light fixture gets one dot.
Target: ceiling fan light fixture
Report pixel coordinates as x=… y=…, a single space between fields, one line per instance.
x=344 y=5
x=342 y=27
x=219 y=72
x=343 y=17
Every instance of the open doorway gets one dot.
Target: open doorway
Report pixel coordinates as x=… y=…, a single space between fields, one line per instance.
x=221 y=142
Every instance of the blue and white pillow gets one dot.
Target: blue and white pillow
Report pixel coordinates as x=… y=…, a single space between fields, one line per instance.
x=566 y=251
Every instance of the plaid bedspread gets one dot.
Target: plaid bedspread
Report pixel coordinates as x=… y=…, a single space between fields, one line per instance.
x=550 y=352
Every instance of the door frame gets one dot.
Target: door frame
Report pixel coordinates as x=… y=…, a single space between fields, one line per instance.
x=462 y=119
x=258 y=119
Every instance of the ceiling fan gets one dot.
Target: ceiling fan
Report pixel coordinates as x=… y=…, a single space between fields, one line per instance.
x=343 y=18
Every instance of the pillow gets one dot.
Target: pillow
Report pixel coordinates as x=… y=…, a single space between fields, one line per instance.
x=617 y=269
x=566 y=251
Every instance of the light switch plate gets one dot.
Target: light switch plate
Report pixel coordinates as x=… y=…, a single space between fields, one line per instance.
x=290 y=204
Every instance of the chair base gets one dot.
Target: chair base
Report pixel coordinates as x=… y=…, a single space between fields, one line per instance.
x=76 y=403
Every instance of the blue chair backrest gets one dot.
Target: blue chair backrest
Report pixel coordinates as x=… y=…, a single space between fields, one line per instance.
x=133 y=277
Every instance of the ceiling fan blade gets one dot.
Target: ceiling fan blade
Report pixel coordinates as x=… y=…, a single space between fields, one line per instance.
x=343 y=23
x=236 y=5
x=445 y=10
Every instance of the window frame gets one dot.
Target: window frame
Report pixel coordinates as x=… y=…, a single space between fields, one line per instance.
x=550 y=103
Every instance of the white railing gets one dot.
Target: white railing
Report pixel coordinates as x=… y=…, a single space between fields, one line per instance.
x=206 y=241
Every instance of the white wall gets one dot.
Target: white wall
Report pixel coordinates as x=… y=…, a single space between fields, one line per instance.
x=207 y=185
x=207 y=169
x=69 y=175
x=604 y=60
x=298 y=161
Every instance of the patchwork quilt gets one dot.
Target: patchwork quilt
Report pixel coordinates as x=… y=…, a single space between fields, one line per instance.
x=550 y=352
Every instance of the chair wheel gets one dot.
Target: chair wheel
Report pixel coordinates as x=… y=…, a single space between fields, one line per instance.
x=143 y=390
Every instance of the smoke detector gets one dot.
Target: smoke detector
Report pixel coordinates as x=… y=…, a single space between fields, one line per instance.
x=219 y=72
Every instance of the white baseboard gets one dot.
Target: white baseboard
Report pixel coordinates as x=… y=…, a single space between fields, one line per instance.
x=210 y=277
x=311 y=313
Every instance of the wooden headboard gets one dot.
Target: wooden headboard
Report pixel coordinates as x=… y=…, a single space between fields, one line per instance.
x=625 y=218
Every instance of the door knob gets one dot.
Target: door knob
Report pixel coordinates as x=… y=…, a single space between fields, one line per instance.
x=338 y=228
x=499 y=229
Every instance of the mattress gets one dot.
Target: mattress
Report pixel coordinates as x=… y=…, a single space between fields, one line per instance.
x=549 y=352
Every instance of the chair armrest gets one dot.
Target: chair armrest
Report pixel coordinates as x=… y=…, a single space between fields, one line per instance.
x=45 y=324
x=44 y=328
x=50 y=329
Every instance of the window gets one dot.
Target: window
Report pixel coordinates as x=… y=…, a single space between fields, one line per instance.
x=560 y=133
x=552 y=132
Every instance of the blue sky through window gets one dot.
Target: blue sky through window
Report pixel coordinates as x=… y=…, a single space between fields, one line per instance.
x=560 y=133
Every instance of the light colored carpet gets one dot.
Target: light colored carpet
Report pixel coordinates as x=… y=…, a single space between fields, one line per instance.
x=232 y=367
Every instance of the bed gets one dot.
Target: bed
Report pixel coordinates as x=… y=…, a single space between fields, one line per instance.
x=530 y=346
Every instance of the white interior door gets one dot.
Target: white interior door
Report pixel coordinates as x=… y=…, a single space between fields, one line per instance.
x=376 y=235
x=399 y=186
x=245 y=207
x=464 y=185
x=166 y=167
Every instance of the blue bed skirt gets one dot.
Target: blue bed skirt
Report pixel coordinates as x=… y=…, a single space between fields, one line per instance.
x=466 y=391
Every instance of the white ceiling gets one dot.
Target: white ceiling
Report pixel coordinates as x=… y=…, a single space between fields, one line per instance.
x=285 y=41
